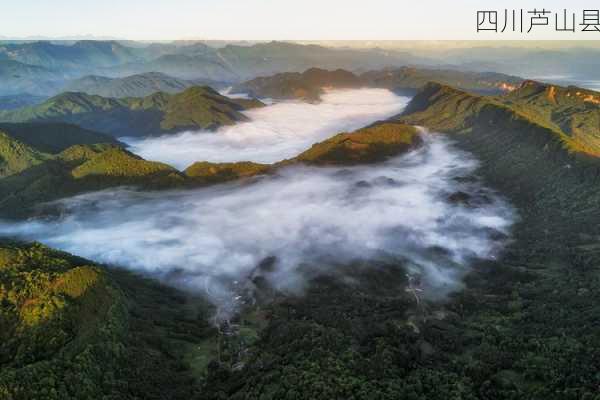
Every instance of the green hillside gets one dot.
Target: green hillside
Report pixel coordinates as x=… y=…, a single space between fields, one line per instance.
x=523 y=323
x=53 y=137
x=574 y=111
x=444 y=108
x=194 y=108
x=55 y=308
x=26 y=145
x=16 y=156
x=373 y=144
x=79 y=169
x=206 y=172
x=70 y=329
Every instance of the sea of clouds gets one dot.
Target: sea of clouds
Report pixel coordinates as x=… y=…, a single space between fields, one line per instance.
x=213 y=239
x=276 y=132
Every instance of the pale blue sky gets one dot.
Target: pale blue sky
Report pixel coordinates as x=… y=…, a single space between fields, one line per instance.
x=269 y=19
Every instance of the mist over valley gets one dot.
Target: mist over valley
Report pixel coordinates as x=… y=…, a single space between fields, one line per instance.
x=299 y=220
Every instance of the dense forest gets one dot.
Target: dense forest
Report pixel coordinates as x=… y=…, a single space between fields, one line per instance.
x=75 y=330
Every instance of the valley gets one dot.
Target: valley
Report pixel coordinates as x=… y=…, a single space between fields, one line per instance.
x=383 y=231
x=276 y=132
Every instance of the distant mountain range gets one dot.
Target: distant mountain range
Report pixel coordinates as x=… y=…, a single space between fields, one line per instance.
x=531 y=62
x=44 y=67
x=134 y=85
x=312 y=83
x=58 y=62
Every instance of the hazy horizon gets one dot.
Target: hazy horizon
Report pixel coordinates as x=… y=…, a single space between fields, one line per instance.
x=391 y=44
x=260 y=20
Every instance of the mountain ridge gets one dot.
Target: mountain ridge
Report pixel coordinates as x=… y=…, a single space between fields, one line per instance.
x=139 y=85
x=194 y=108
x=83 y=167
x=441 y=107
x=307 y=86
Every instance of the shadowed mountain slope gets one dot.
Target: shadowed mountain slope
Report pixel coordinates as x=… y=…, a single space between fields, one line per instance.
x=26 y=145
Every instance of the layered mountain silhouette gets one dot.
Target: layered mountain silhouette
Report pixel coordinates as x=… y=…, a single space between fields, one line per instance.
x=140 y=85
x=47 y=66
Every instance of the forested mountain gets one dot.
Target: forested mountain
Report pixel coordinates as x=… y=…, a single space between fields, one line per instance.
x=25 y=145
x=195 y=108
x=557 y=116
x=72 y=329
x=46 y=66
x=311 y=84
x=19 y=78
x=522 y=327
x=307 y=86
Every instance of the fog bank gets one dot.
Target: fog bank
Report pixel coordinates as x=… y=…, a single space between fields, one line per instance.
x=275 y=132
x=213 y=239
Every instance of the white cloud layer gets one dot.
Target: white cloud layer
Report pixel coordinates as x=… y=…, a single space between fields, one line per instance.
x=275 y=132
x=213 y=239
